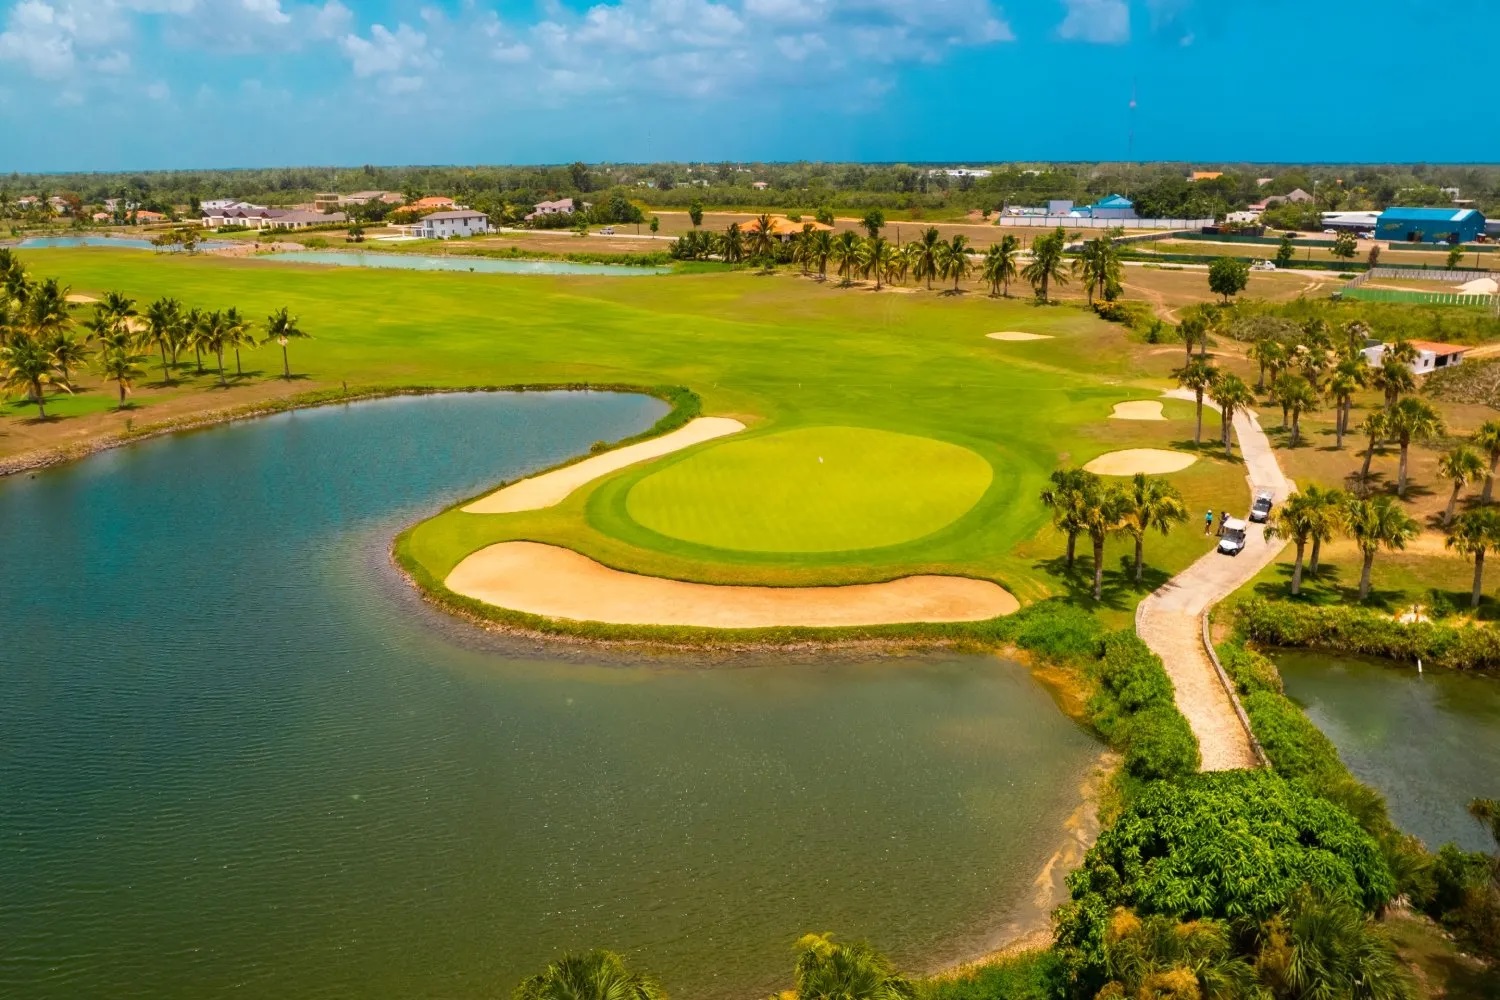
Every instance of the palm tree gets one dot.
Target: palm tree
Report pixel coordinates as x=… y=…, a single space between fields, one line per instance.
x=1325 y=947
x=1296 y=519
x=927 y=256
x=1374 y=428
x=828 y=970
x=1377 y=523
x=1487 y=440
x=46 y=310
x=955 y=261
x=1046 y=267
x=118 y=309
x=1232 y=395
x=1473 y=534
x=162 y=319
x=68 y=352
x=1409 y=419
x=802 y=248
x=732 y=247
x=1102 y=513
x=1350 y=376
x=1199 y=376
x=846 y=251
x=1064 y=497
x=1394 y=378
x=1158 y=956
x=1154 y=503
x=880 y=259
x=282 y=327
x=118 y=365
x=1295 y=394
x=214 y=336
x=1099 y=266
x=762 y=238
x=1462 y=465
x=595 y=975
x=1327 y=509
x=999 y=267
x=191 y=332
x=237 y=334
x=26 y=364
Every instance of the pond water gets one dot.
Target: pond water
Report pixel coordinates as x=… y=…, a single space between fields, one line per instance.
x=1430 y=742
x=479 y=265
x=115 y=242
x=239 y=756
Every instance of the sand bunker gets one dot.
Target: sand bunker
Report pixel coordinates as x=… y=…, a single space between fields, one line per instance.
x=560 y=583
x=1479 y=286
x=82 y=300
x=550 y=488
x=1138 y=409
x=1152 y=461
x=1014 y=335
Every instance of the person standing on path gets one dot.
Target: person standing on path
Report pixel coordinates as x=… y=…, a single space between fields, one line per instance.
x=1223 y=520
x=1208 y=521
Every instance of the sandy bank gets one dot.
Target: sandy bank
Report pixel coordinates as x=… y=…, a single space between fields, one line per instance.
x=559 y=583
x=551 y=488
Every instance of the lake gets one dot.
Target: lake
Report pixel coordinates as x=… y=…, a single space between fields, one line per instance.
x=1430 y=742
x=239 y=756
x=479 y=265
x=114 y=242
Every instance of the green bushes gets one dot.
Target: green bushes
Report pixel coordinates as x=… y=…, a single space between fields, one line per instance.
x=1134 y=709
x=1158 y=743
x=1056 y=630
x=1138 y=316
x=1362 y=632
x=1034 y=975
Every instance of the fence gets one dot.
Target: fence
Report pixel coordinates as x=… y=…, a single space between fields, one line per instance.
x=1356 y=289
x=1198 y=258
x=1075 y=222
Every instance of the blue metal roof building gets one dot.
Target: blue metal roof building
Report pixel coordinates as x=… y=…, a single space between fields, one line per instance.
x=1429 y=225
x=1113 y=207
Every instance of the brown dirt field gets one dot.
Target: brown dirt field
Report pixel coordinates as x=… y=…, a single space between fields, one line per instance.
x=559 y=583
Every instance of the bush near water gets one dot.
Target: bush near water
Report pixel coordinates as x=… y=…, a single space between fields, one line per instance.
x=1359 y=631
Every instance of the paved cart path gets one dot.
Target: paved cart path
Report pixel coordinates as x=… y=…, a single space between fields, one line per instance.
x=1170 y=620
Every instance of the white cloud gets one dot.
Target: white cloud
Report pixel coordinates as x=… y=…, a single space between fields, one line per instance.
x=386 y=51
x=1105 y=22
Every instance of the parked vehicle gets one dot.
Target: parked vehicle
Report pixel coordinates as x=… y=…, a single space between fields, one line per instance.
x=1232 y=541
x=1263 y=265
x=1260 y=510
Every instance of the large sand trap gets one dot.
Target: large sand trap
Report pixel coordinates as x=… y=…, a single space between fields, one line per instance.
x=82 y=300
x=1152 y=461
x=560 y=583
x=1014 y=335
x=550 y=488
x=1479 y=286
x=1138 y=409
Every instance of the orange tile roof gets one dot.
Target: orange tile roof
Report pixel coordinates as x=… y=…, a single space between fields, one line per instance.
x=1207 y=175
x=1437 y=347
x=432 y=201
x=782 y=226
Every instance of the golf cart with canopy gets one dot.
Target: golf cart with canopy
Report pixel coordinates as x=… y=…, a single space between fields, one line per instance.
x=1232 y=541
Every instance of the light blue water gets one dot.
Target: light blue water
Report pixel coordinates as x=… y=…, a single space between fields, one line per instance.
x=240 y=758
x=115 y=242
x=479 y=265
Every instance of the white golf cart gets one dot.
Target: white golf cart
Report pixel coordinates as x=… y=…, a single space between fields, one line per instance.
x=1260 y=510
x=1232 y=541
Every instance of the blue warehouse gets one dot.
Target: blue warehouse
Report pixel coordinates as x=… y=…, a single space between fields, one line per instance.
x=1429 y=225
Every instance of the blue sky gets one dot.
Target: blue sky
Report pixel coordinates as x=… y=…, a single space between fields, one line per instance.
x=136 y=84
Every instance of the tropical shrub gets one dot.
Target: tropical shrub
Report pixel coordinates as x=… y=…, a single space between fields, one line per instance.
x=1363 y=632
x=1033 y=975
x=1056 y=630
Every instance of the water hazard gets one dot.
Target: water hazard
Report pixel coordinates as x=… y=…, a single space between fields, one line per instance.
x=239 y=757
x=479 y=265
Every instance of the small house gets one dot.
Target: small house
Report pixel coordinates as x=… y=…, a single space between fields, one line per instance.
x=1431 y=355
x=448 y=225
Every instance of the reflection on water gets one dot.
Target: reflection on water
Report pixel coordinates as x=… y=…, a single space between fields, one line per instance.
x=1430 y=742
x=239 y=756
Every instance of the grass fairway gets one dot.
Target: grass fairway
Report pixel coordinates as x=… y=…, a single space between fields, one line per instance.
x=817 y=489
x=778 y=352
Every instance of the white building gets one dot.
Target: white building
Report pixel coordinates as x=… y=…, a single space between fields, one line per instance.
x=224 y=204
x=1242 y=217
x=1431 y=355
x=448 y=225
x=303 y=220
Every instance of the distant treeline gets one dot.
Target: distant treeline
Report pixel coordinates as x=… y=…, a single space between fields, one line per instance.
x=1159 y=189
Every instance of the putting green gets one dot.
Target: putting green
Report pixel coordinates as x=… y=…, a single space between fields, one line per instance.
x=816 y=489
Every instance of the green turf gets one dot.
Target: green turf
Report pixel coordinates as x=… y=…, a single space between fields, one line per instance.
x=816 y=489
x=778 y=352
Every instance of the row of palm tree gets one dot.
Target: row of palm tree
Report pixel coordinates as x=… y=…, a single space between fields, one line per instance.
x=1083 y=505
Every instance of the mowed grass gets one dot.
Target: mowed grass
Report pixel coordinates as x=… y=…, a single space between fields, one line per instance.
x=815 y=489
x=779 y=352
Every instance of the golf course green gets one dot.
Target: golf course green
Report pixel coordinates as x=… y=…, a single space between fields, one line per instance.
x=936 y=440
x=816 y=489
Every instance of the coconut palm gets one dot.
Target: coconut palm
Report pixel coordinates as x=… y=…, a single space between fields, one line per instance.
x=119 y=310
x=190 y=334
x=1411 y=419
x=68 y=353
x=829 y=970
x=1296 y=519
x=954 y=260
x=1487 y=440
x=927 y=256
x=999 y=267
x=1154 y=503
x=120 y=366
x=282 y=328
x=595 y=975
x=162 y=319
x=1232 y=395
x=763 y=238
x=1064 y=497
x=1295 y=395
x=1374 y=428
x=1462 y=466
x=822 y=250
x=1199 y=376
x=1349 y=376
x=1046 y=267
x=1194 y=330
x=1472 y=534
x=1101 y=514
x=237 y=334
x=1393 y=378
x=846 y=253
x=1098 y=264
x=25 y=364
x=732 y=246
x=1326 y=947
x=214 y=337
x=1376 y=523
x=1158 y=956
x=46 y=311
x=1327 y=509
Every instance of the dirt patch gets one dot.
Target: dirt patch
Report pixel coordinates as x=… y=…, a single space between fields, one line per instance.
x=1152 y=461
x=1012 y=335
x=1138 y=409
x=560 y=583
x=551 y=488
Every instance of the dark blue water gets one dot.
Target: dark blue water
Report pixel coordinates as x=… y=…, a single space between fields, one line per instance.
x=238 y=757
